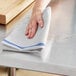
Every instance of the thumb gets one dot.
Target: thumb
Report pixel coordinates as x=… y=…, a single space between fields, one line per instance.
x=40 y=21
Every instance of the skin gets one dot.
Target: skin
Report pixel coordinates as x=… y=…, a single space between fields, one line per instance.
x=36 y=18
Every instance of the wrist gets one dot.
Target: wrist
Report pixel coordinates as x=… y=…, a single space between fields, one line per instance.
x=37 y=9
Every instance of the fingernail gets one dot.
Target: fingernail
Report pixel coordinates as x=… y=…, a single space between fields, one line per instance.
x=41 y=25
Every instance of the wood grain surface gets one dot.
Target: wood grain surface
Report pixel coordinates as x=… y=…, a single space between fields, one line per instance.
x=11 y=8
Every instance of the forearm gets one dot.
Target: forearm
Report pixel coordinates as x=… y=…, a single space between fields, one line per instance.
x=41 y=4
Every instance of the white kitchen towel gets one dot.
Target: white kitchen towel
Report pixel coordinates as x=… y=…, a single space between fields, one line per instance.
x=17 y=39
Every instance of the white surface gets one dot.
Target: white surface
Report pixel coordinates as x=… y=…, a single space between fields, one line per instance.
x=62 y=59
x=17 y=39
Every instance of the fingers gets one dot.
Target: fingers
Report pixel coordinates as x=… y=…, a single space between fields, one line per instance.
x=34 y=29
x=27 y=31
x=31 y=29
x=40 y=21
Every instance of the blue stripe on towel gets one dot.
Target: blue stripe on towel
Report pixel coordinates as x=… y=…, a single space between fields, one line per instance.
x=39 y=44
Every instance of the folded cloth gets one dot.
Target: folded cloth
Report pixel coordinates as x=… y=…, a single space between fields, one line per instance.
x=17 y=39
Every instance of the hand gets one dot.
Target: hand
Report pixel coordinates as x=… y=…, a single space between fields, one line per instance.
x=35 y=21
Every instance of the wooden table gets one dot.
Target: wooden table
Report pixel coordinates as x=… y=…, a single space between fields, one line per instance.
x=62 y=58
